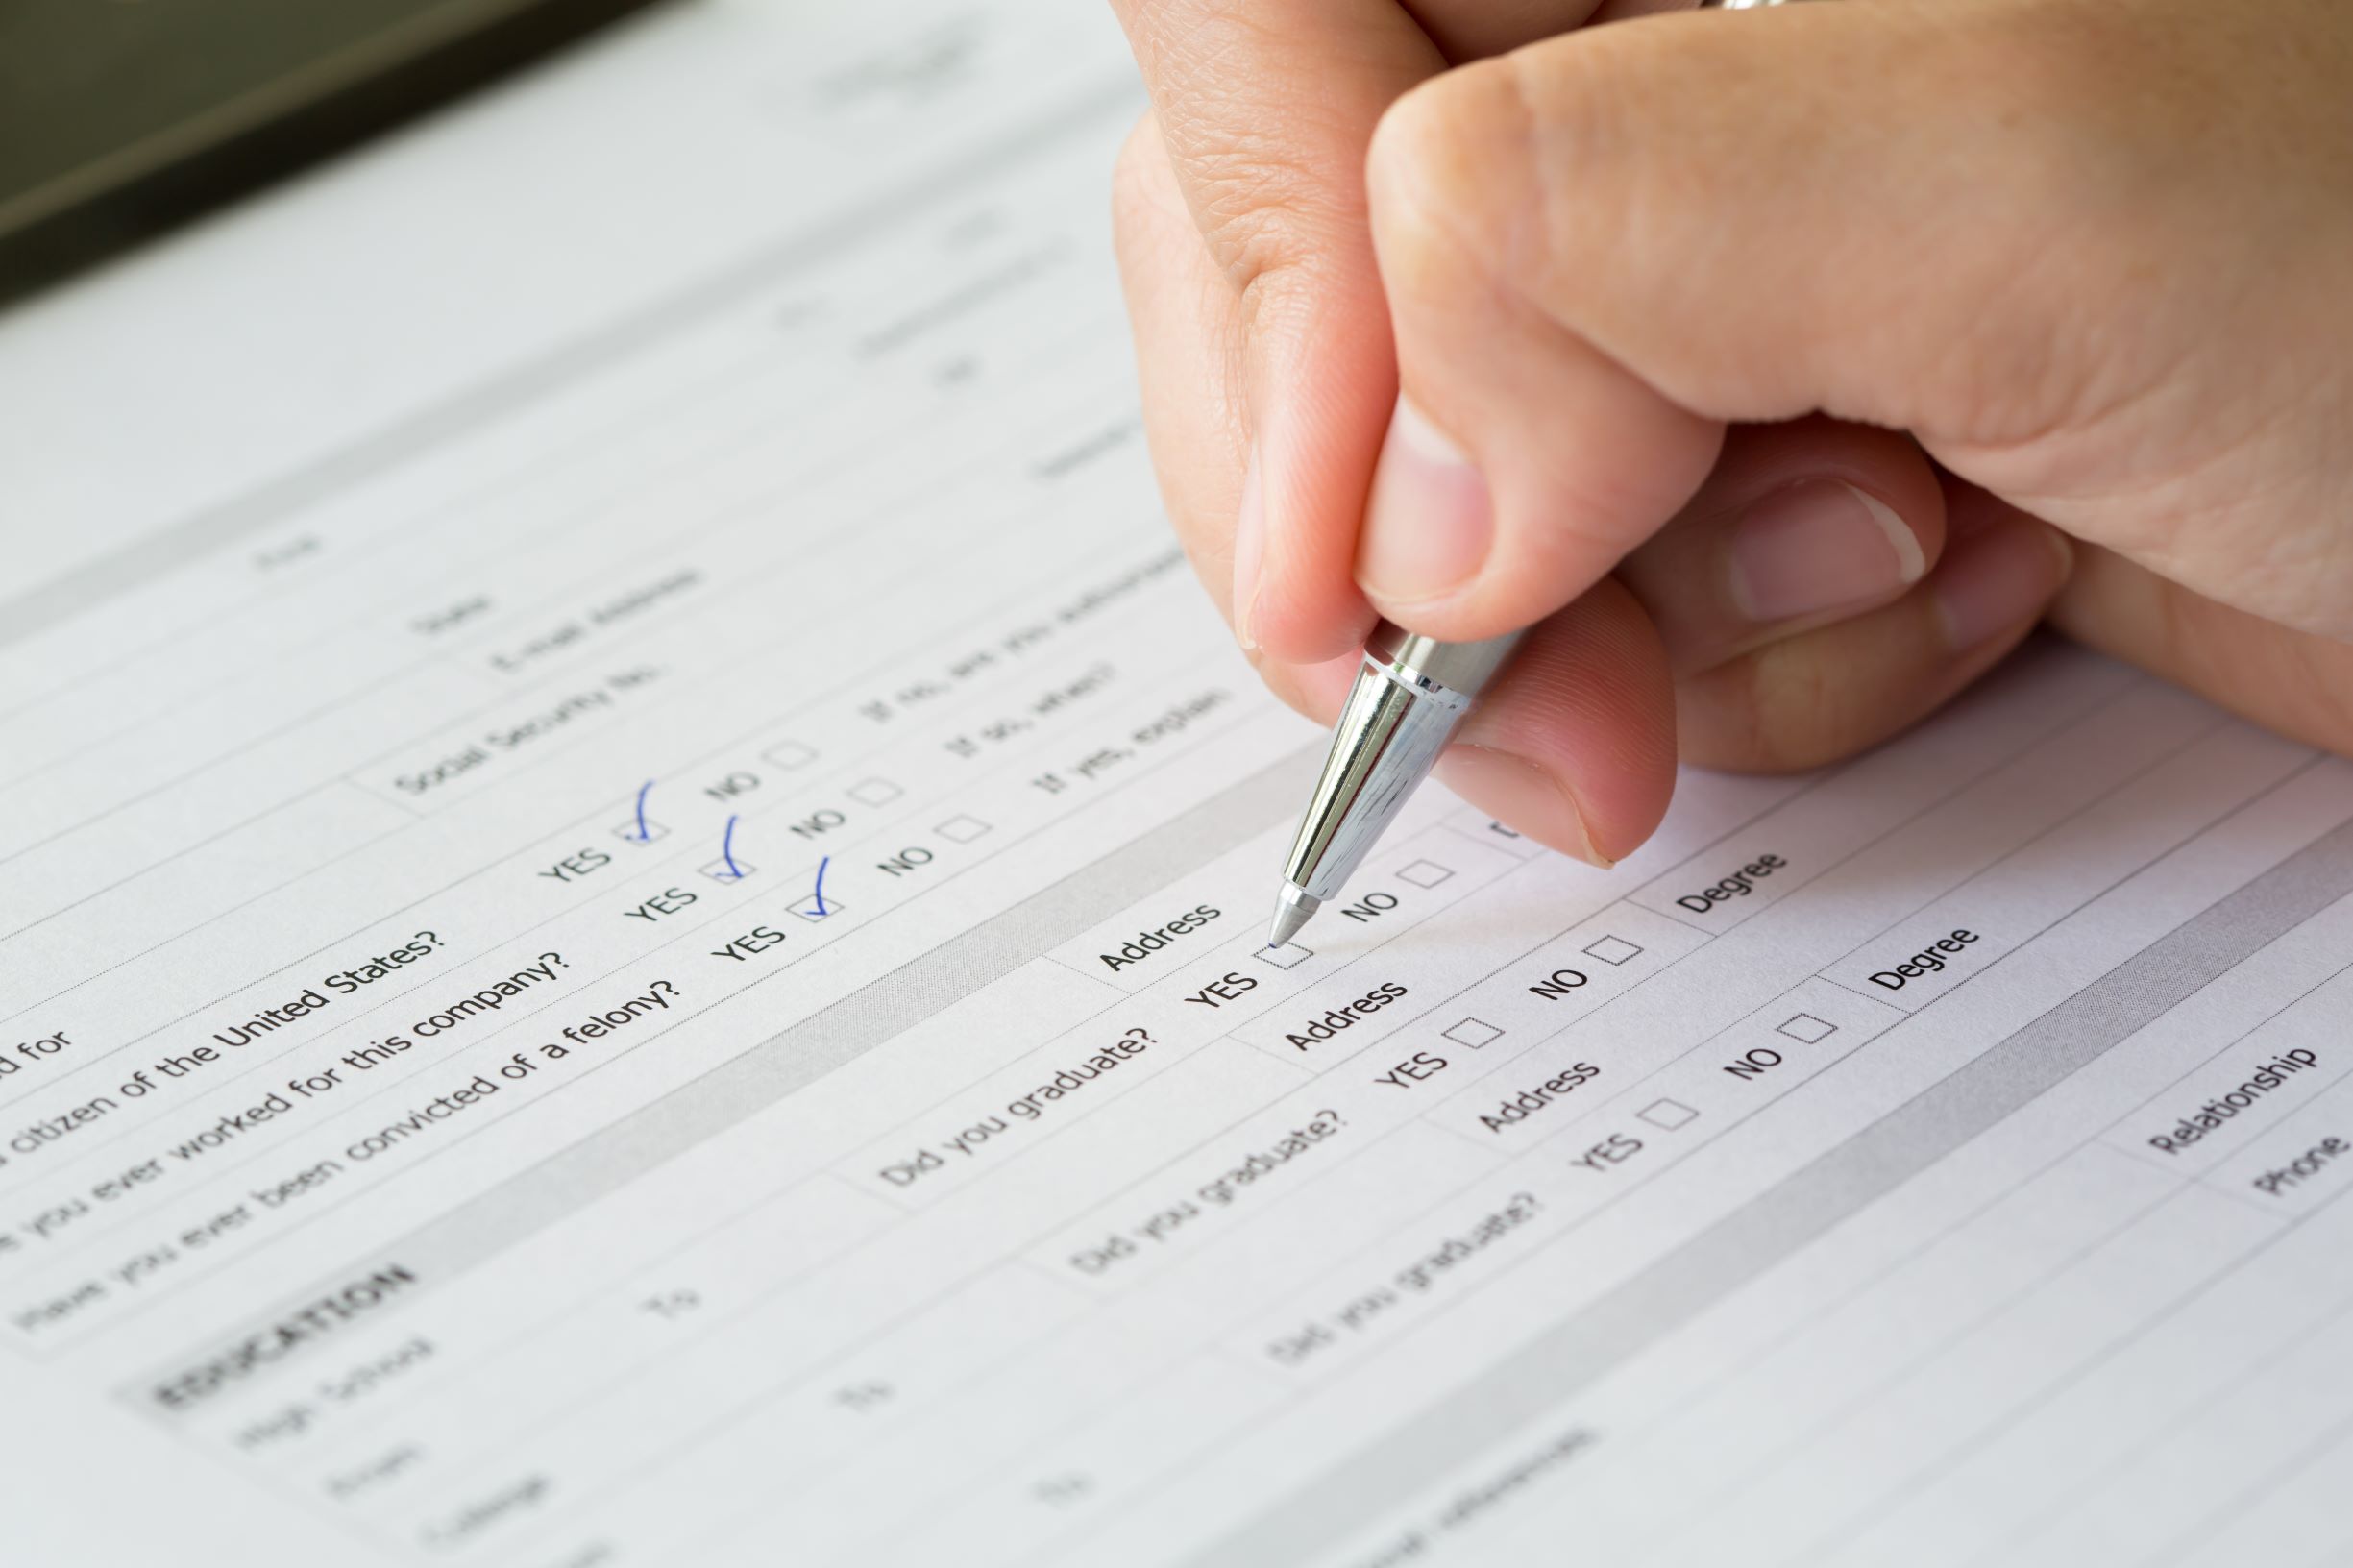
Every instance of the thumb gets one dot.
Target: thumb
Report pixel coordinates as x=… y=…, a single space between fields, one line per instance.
x=1935 y=218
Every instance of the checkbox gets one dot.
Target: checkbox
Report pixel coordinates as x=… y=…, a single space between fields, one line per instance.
x=1473 y=1033
x=1288 y=956
x=1494 y=832
x=1807 y=1028
x=790 y=754
x=874 y=792
x=809 y=911
x=719 y=870
x=961 y=829
x=1612 y=950
x=1424 y=873
x=1667 y=1113
x=628 y=830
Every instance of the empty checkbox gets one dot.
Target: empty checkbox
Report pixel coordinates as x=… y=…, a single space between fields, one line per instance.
x=1288 y=956
x=1425 y=873
x=634 y=834
x=874 y=792
x=725 y=870
x=1612 y=950
x=790 y=754
x=1473 y=1033
x=961 y=829
x=810 y=912
x=1667 y=1113
x=1807 y=1028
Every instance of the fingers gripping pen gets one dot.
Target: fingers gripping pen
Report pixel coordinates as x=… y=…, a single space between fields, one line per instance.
x=1410 y=695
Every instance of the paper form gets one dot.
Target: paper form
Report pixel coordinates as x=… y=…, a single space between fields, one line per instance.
x=654 y=959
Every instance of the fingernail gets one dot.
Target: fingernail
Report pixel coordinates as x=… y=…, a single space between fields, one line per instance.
x=1818 y=545
x=1516 y=790
x=1998 y=580
x=1249 y=546
x=1429 y=520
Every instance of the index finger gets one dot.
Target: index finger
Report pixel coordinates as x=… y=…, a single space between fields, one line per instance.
x=1267 y=109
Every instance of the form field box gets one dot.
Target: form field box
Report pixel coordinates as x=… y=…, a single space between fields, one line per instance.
x=810 y=912
x=1667 y=1113
x=718 y=871
x=1473 y=1033
x=961 y=829
x=874 y=792
x=1424 y=873
x=790 y=754
x=1288 y=956
x=1807 y=1028
x=1487 y=830
x=628 y=831
x=1612 y=950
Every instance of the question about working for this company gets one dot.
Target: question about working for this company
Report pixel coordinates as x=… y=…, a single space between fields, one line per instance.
x=229 y=1053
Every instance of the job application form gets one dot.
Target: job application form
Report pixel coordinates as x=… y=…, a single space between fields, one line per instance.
x=630 y=875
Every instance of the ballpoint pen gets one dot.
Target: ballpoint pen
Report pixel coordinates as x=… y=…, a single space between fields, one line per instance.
x=1410 y=694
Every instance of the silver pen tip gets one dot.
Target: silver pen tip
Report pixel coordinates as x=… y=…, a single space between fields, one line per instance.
x=1291 y=912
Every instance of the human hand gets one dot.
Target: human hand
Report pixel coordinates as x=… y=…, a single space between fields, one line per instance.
x=1770 y=360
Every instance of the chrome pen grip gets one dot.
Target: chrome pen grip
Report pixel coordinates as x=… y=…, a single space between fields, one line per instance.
x=1410 y=694
x=1460 y=668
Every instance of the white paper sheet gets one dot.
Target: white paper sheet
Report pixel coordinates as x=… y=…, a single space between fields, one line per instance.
x=406 y=1156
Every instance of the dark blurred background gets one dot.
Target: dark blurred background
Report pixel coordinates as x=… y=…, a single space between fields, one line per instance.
x=122 y=119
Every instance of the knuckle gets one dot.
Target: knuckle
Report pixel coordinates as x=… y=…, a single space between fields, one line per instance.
x=1779 y=710
x=1500 y=173
x=1132 y=168
x=1444 y=177
x=1142 y=190
x=1262 y=210
x=1800 y=708
x=1265 y=170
